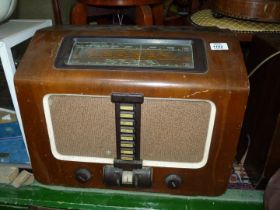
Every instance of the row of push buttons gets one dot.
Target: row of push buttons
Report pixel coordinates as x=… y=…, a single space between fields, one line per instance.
x=127 y=132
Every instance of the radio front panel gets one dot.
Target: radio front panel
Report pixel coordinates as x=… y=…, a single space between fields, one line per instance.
x=149 y=110
x=82 y=128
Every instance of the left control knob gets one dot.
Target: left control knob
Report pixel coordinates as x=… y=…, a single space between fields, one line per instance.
x=83 y=175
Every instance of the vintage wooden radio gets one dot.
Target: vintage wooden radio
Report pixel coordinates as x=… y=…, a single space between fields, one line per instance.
x=152 y=109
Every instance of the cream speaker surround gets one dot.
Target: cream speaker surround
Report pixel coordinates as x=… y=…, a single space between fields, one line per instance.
x=90 y=119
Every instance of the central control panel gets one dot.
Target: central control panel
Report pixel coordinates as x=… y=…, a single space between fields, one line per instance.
x=127 y=168
x=136 y=177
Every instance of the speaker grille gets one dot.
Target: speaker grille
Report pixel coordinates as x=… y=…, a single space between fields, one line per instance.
x=174 y=130
x=82 y=128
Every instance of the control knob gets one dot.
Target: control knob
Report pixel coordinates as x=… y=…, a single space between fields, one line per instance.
x=173 y=181
x=83 y=175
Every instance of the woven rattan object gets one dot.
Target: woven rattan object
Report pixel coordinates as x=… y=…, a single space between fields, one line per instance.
x=206 y=19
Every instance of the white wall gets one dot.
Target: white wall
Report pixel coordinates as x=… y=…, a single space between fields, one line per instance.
x=42 y=9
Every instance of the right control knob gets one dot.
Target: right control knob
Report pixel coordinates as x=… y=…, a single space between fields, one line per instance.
x=173 y=181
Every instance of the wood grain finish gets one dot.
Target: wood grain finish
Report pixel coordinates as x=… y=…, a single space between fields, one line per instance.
x=258 y=10
x=79 y=14
x=147 y=12
x=120 y=2
x=225 y=84
x=56 y=12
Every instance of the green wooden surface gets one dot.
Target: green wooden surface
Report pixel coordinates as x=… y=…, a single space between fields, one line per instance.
x=70 y=198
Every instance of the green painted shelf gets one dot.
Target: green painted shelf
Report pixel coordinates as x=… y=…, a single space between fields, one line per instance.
x=71 y=198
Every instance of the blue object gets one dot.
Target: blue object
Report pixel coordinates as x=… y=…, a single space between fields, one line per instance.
x=12 y=147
